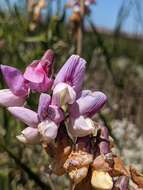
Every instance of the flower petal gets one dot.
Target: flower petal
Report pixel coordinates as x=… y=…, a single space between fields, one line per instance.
x=29 y=135
x=55 y=114
x=72 y=73
x=34 y=72
x=48 y=130
x=8 y=99
x=88 y=105
x=44 y=102
x=63 y=94
x=81 y=127
x=15 y=80
x=44 y=86
x=27 y=116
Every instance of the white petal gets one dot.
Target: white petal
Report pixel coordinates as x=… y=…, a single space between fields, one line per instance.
x=48 y=130
x=81 y=126
x=63 y=94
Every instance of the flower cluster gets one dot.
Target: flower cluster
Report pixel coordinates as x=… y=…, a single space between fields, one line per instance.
x=63 y=122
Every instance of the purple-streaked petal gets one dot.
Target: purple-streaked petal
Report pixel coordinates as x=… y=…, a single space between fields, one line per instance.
x=48 y=130
x=8 y=99
x=72 y=73
x=55 y=114
x=81 y=127
x=63 y=94
x=122 y=183
x=44 y=102
x=88 y=105
x=29 y=135
x=25 y=115
x=15 y=80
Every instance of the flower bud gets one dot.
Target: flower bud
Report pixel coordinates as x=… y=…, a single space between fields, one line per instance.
x=29 y=135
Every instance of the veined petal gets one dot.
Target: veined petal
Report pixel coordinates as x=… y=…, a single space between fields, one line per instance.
x=72 y=73
x=15 y=80
x=48 y=130
x=25 y=115
x=55 y=114
x=81 y=126
x=29 y=135
x=63 y=94
x=44 y=102
x=8 y=99
x=88 y=105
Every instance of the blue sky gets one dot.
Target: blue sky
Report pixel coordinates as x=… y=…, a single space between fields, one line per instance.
x=105 y=13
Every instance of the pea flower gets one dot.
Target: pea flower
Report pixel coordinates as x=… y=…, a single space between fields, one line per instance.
x=39 y=71
x=68 y=82
x=82 y=110
x=43 y=125
x=36 y=77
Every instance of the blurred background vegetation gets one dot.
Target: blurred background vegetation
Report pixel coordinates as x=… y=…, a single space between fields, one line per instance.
x=115 y=66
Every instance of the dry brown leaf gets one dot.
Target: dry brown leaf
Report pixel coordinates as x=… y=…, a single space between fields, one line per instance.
x=77 y=160
x=77 y=175
x=119 y=168
x=100 y=164
x=59 y=152
x=136 y=177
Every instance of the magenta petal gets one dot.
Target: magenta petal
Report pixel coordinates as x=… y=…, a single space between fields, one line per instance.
x=8 y=99
x=55 y=114
x=34 y=72
x=15 y=80
x=72 y=73
x=88 y=105
x=44 y=102
x=25 y=115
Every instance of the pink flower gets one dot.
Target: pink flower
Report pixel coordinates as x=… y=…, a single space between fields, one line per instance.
x=36 y=77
